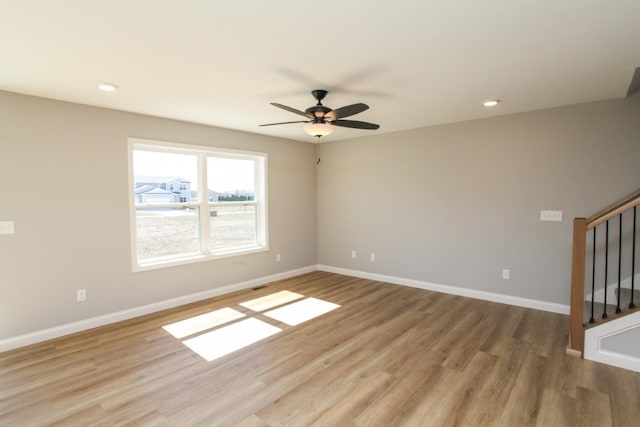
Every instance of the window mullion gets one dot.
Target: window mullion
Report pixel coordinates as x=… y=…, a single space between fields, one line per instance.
x=205 y=221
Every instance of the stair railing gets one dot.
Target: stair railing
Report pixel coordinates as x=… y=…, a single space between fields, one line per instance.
x=627 y=208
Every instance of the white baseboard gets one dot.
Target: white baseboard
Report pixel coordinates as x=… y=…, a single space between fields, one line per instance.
x=465 y=292
x=81 y=325
x=594 y=337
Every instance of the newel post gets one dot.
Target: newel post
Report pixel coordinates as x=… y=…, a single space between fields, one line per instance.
x=576 y=329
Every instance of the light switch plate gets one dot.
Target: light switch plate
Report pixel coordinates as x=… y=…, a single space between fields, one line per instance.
x=551 y=216
x=7 y=227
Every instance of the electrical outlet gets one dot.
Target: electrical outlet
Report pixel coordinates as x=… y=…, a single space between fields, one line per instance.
x=372 y=257
x=506 y=274
x=81 y=295
x=277 y=257
x=353 y=254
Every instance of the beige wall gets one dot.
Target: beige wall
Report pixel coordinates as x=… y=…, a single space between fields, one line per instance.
x=451 y=204
x=455 y=204
x=64 y=172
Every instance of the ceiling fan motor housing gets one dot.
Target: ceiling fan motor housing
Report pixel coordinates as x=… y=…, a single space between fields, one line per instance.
x=317 y=111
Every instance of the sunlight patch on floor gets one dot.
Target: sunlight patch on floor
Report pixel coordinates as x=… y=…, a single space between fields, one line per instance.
x=202 y=322
x=226 y=334
x=301 y=311
x=271 y=300
x=228 y=339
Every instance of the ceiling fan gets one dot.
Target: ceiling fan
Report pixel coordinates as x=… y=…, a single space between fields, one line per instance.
x=321 y=119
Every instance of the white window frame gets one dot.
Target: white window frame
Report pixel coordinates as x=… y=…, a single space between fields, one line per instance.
x=203 y=204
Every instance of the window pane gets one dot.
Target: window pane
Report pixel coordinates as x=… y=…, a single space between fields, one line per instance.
x=165 y=177
x=195 y=202
x=232 y=227
x=230 y=180
x=167 y=232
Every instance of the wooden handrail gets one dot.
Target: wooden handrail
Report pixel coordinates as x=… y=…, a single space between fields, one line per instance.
x=580 y=227
x=614 y=209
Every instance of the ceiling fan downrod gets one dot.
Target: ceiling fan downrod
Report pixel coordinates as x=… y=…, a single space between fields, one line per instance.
x=318 y=111
x=319 y=94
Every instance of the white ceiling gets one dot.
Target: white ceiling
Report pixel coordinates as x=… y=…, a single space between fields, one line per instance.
x=415 y=62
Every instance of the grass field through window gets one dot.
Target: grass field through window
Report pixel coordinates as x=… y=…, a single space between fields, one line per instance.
x=168 y=232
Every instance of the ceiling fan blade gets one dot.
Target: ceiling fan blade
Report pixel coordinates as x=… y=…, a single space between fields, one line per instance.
x=347 y=111
x=355 y=124
x=285 y=123
x=292 y=110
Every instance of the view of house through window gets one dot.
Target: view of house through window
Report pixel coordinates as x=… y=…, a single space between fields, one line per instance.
x=192 y=202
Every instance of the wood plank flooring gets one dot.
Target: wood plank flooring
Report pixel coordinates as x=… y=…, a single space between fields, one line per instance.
x=389 y=356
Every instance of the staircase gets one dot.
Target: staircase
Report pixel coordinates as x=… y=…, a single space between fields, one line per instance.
x=596 y=304
x=625 y=296
x=605 y=279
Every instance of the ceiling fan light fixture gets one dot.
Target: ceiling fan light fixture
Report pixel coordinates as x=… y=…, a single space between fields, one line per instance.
x=318 y=129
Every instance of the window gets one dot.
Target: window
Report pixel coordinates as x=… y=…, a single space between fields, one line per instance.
x=219 y=209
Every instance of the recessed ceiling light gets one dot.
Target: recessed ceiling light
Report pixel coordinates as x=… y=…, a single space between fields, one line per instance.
x=107 y=87
x=491 y=102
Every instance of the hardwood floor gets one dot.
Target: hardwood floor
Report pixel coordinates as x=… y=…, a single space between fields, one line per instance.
x=388 y=356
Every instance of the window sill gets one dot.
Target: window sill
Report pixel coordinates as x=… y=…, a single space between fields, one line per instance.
x=193 y=258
